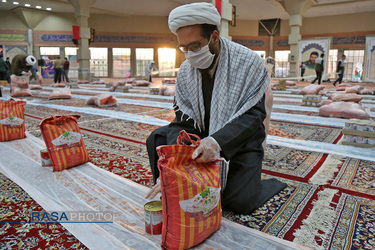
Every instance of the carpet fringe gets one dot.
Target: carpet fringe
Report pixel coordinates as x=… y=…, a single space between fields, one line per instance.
x=320 y=219
x=327 y=171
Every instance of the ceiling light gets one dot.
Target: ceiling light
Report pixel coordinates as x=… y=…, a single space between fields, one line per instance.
x=27 y=5
x=16 y=3
x=38 y=7
x=4 y=1
x=48 y=9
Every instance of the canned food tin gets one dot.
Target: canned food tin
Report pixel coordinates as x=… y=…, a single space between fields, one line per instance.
x=153 y=217
x=361 y=125
x=347 y=138
x=353 y=139
x=371 y=141
x=350 y=125
x=361 y=139
x=371 y=127
x=46 y=161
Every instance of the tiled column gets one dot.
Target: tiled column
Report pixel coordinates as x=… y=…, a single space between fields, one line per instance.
x=82 y=13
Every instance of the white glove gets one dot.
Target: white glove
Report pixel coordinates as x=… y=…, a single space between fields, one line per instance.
x=207 y=151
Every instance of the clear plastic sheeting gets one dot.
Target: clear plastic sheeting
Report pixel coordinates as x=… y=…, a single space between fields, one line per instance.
x=294 y=107
x=89 y=188
x=303 y=119
x=367 y=154
x=118 y=93
x=105 y=112
x=154 y=104
x=306 y=119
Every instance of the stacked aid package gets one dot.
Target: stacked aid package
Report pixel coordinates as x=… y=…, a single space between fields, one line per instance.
x=190 y=195
x=12 y=120
x=64 y=141
x=20 y=86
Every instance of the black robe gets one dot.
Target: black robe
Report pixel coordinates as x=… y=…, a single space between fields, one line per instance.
x=241 y=143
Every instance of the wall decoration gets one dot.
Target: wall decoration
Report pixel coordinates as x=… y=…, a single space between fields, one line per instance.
x=311 y=49
x=13 y=50
x=48 y=70
x=13 y=37
x=132 y=39
x=250 y=43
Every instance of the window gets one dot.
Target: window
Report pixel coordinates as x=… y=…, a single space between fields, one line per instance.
x=99 y=62
x=144 y=58
x=121 y=62
x=167 y=61
x=50 y=51
x=281 y=63
x=353 y=65
x=48 y=54
x=71 y=54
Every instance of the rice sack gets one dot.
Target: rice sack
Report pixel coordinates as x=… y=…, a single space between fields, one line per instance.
x=190 y=195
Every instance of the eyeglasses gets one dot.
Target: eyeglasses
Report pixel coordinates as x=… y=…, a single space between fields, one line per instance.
x=194 y=47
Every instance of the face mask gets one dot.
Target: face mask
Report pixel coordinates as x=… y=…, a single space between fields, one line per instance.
x=201 y=59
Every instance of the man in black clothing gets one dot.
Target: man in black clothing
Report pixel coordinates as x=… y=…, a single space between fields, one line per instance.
x=9 y=69
x=3 y=71
x=319 y=68
x=220 y=96
x=340 y=69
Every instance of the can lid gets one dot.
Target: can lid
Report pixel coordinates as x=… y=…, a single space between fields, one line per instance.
x=153 y=206
x=44 y=150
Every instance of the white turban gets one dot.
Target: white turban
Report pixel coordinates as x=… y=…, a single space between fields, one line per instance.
x=194 y=13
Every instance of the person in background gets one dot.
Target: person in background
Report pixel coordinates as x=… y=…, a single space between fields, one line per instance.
x=9 y=69
x=57 y=66
x=219 y=96
x=340 y=69
x=3 y=71
x=319 y=68
x=303 y=68
x=66 y=70
x=149 y=69
x=33 y=73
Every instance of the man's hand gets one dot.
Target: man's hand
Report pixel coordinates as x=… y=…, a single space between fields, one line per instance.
x=207 y=151
x=154 y=191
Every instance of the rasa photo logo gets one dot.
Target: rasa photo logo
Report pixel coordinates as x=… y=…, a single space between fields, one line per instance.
x=71 y=217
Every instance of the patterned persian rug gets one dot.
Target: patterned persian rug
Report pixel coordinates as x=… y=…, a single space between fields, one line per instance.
x=305 y=132
x=16 y=205
x=282 y=214
x=357 y=176
x=291 y=163
x=353 y=225
x=118 y=146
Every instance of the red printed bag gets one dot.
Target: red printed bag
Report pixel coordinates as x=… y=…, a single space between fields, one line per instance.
x=190 y=195
x=64 y=141
x=12 y=120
